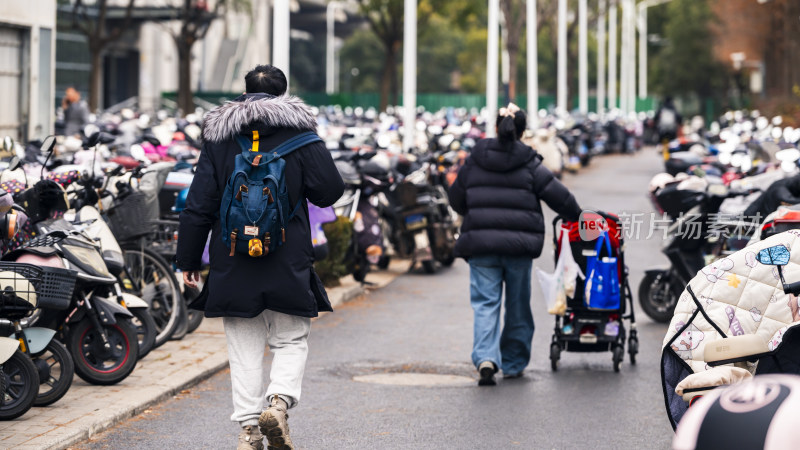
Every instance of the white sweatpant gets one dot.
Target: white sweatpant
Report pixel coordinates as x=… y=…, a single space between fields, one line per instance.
x=287 y=337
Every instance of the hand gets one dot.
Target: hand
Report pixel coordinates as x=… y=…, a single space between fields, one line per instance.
x=191 y=278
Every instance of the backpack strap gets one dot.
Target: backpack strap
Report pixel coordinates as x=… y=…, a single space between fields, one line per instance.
x=296 y=142
x=284 y=148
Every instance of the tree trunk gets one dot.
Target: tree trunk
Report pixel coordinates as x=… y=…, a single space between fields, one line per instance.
x=513 y=59
x=389 y=67
x=185 y=101
x=397 y=46
x=96 y=60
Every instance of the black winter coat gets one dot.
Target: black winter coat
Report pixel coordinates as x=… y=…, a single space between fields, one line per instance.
x=283 y=281
x=498 y=192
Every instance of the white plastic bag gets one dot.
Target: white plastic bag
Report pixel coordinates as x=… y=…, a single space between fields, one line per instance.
x=560 y=284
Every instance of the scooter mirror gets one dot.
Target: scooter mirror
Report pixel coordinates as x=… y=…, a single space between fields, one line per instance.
x=14 y=164
x=106 y=138
x=90 y=129
x=48 y=144
x=137 y=152
x=8 y=144
x=93 y=140
x=151 y=139
x=777 y=255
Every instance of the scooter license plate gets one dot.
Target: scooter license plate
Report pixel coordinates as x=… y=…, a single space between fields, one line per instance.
x=416 y=221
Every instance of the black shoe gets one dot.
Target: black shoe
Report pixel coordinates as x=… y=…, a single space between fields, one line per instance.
x=507 y=376
x=487 y=370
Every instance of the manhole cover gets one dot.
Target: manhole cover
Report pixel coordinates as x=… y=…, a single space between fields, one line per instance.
x=415 y=379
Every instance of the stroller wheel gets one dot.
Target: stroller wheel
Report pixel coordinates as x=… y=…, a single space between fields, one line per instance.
x=633 y=348
x=618 y=356
x=555 y=355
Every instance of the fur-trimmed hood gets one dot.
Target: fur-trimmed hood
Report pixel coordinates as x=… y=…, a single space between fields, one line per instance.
x=228 y=120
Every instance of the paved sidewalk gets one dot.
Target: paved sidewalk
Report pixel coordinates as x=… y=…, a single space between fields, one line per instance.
x=87 y=409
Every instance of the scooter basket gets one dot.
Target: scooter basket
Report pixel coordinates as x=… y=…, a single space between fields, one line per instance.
x=133 y=216
x=53 y=285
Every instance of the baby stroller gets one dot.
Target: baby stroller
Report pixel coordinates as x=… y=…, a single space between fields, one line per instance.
x=582 y=329
x=737 y=318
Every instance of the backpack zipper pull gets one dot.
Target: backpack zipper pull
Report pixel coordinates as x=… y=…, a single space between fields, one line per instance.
x=242 y=188
x=233 y=240
x=267 y=241
x=283 y=235
x=266 y=191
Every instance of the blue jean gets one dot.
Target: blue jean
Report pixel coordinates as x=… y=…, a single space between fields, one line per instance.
x=510 y=349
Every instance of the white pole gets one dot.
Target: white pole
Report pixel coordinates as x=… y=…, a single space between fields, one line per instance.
x=612 y=57
x=632 y=55
x=601 y=59
x=330 y=67
x=491 y=69
x=642 y=51
x=561 y=86
x=410 y=73
x=583 y=59
x=280 y=37
x=623 y=61
x=505 y=68
x=630 y=90
x=533 y=67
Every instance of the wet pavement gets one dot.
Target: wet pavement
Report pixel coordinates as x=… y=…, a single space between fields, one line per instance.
x=355 y=396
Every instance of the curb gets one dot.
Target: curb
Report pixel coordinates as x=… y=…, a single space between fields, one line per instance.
x=97 y=428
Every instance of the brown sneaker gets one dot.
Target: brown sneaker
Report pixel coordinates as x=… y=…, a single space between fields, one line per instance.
x=250 y=438
x=273 y=424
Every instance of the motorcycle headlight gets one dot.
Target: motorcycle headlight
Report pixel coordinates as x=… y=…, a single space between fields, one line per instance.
x=88 y=256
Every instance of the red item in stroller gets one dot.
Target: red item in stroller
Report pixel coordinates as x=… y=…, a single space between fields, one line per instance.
x=582 y=329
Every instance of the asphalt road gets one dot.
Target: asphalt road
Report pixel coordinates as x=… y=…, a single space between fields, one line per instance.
x=423 y=323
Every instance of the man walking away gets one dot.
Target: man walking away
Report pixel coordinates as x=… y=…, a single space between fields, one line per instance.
x=266 y=293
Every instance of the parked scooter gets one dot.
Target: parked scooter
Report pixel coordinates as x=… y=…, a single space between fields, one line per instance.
x=19 y=376
x=689 y=242
x=97 y=330
x=422 y=224
x=362 y=181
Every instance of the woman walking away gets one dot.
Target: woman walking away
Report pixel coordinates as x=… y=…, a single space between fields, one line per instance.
x=498 y=192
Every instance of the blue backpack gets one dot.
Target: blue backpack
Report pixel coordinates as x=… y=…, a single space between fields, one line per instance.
x=255 y=208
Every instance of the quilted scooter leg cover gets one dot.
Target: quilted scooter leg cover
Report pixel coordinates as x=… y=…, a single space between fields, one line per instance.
x=733 y=296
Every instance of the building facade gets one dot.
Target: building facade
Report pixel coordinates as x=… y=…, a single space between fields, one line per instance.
x=27 y=68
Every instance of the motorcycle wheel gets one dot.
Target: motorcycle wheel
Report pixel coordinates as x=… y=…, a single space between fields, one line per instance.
x=658 y=295
x=448 y=260
x=21 y=381
x=152 y=278
x=183 y=326
x=195 y=319
x=360 y=269
x=384 y=262
x=56 y=370
x=429 y=266
x=146 y=330
x=97 y=365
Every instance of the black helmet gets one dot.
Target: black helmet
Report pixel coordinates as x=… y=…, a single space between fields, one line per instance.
x=756 y=414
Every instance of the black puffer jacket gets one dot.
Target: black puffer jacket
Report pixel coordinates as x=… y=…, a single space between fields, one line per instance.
x=498 y=192
x=284 y=281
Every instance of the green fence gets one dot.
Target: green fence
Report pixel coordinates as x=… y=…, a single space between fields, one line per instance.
x=431 y=102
